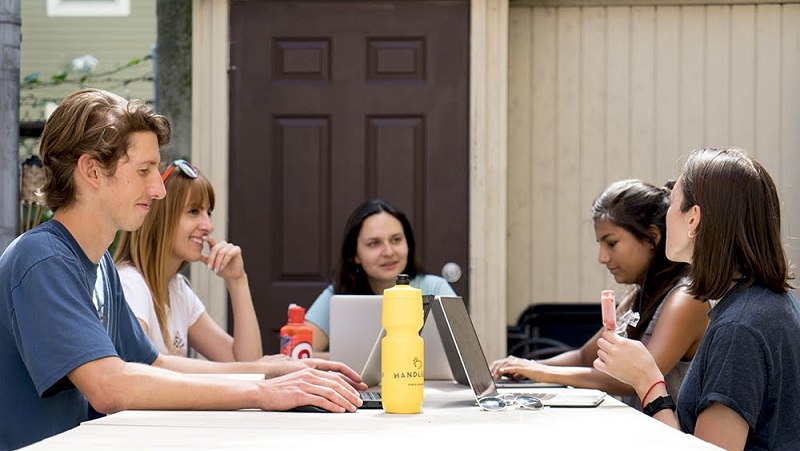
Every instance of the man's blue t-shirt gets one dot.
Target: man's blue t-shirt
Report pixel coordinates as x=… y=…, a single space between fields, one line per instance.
x=749 y=361
x=58 y=311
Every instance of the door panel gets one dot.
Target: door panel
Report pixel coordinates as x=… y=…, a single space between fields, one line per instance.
x=333 y=103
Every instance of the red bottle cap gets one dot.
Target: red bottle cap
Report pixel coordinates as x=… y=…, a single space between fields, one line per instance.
x=297 y=314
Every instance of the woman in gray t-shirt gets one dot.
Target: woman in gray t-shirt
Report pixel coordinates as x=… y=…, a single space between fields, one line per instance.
x=629 y=223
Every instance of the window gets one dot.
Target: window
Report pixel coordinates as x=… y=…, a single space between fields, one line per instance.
x=87 y=8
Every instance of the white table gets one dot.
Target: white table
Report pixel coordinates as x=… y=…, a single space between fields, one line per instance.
x=449 y=415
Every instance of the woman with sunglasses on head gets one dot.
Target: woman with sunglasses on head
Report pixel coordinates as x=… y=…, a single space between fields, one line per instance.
x=149 y=262
x=378 y=245
x=742 y=390
x=630 y=226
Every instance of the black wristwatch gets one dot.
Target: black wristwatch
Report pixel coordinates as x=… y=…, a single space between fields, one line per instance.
x=659 y=404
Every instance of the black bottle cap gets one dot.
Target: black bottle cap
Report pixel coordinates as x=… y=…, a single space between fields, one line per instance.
x=402 y=279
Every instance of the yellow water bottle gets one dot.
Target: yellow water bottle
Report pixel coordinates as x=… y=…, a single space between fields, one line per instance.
x=402 y=349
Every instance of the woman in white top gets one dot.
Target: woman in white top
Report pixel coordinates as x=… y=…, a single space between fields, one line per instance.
x=150 y=259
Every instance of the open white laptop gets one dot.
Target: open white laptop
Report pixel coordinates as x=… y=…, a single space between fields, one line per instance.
x=468 y=362
x=355 y=329
x=349 y=329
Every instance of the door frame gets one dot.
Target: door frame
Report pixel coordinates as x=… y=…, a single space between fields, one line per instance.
x=488 y=112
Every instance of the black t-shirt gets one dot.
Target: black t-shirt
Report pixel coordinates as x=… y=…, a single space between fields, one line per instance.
x=749 y=361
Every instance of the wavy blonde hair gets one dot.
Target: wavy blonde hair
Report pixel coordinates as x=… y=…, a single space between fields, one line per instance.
x=149 y=248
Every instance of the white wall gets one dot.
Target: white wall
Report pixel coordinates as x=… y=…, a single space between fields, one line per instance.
x=602 y=93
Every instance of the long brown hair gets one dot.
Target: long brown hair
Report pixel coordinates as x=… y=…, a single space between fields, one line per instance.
x=637 y=206
x=149 y=248
x=740 y=223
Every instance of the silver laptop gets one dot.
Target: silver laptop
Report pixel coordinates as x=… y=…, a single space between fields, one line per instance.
x=355 y=332
x=349 y=328
x=516 y=384
x=469 y=365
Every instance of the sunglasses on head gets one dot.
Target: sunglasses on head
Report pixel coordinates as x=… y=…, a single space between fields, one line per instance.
x=187 y=169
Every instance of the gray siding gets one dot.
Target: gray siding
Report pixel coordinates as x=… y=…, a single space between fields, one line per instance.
x=50 y=43
x=602 y=93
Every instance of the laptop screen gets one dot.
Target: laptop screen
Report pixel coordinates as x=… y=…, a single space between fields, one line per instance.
x=462 y=346
x=469 y=365
x=354 y=321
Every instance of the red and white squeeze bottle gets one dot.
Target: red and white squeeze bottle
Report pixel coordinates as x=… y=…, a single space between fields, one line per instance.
x=609 y=309
x=296 y=335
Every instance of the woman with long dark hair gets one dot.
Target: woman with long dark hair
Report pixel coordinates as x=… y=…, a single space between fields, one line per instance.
x=378 y=244
x=630 y=225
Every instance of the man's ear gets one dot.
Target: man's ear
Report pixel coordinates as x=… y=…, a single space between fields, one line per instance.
x=88 y=170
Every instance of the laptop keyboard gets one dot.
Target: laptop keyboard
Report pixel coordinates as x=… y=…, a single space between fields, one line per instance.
x=371 y=399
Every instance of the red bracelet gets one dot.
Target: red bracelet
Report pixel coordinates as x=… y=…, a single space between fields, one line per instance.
x=651 y=389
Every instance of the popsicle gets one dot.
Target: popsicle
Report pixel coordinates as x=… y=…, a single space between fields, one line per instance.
x=608 y=307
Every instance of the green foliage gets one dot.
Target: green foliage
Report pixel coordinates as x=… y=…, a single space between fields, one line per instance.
x=81 y=79
x=32 y=79
x=59 y=76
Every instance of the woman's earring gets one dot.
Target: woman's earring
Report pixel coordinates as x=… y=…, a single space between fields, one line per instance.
x=692 y=234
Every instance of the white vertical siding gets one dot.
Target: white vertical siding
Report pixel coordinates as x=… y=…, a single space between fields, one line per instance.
x=718 y=75
x=591 y=138
x=691 y=59
x=542 y=174
x=600 y=93
x=567 y=145
x=621 y=97
x=768 y=86
x=743 y=76
x=666 y=102
x=788 y=173
x=520 y=194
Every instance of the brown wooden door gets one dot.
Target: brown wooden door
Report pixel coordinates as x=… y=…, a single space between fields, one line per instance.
x=334 y=102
